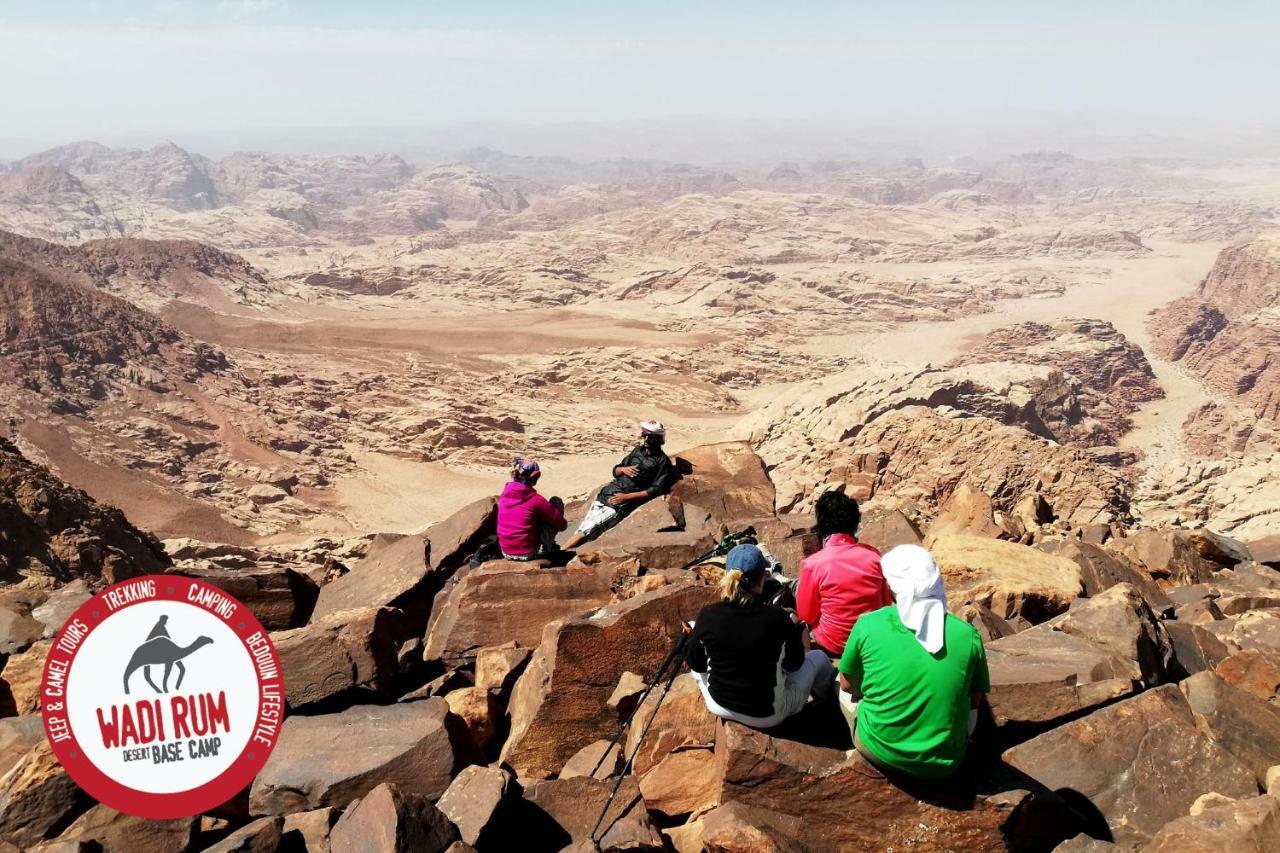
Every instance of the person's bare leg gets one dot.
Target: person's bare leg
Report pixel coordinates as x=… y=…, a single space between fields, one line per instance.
x=574 y=541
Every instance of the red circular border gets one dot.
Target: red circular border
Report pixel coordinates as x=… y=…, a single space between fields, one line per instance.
x=178 y=804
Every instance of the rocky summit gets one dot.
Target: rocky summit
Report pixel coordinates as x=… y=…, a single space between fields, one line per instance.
x=302 y=379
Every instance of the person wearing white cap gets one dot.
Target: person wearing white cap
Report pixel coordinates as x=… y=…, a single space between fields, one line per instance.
x=642 y=475
x=918 y=673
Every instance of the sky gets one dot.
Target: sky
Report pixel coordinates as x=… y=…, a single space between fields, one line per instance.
x=75 y=69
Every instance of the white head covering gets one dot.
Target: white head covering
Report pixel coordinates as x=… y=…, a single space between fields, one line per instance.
x=916 y=583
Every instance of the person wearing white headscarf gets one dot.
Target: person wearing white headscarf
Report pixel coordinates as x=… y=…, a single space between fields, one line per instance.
x=913 y=675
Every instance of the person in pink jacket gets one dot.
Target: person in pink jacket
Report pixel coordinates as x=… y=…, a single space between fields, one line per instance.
x=842 y=581
x=527 y=522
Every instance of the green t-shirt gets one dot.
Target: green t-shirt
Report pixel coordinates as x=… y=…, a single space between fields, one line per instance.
x=914 y=710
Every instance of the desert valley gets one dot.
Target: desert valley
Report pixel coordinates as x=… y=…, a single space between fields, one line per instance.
x=296 y=375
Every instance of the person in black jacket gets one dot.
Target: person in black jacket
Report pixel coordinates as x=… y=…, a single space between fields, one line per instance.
x=642 y=475
x=750 y=658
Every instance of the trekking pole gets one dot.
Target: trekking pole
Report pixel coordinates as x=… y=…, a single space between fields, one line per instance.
x=658 y=675
x=681 y=647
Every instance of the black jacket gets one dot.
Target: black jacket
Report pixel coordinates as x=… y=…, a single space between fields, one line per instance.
x=653 y=477
x=743 y=645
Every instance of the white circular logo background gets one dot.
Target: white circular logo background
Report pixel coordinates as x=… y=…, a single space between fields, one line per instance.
x=220 y=668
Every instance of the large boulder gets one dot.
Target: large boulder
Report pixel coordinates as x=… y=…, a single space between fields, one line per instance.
x=682 y=722
x=1119 y=620
x=827 y=799
x=111 y=830
x=575 y=805
x=968 y=512
x=1013 y=580
x=391 y=820
x=1101 y=570
x=1181 y=556
x=18 y=735
x=883 y=527
x=685 y=782
x=340 y=653
x=473 y=801
x=278 y=596
x=332 y=759
x=36 y=795
x=561 y=703
x=406 y=572
x=1246 y=726
x=20 y=680
x=1256 y=671
x=727 y=481
x=1242 y=826
x=510 y=601
x=260 y=836
x=1141 y=762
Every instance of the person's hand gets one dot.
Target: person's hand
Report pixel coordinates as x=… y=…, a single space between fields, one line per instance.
x=806 y=642
x=619 y=499
x=627 y=470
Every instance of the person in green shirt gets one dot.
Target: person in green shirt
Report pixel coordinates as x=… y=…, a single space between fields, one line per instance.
x=912 y=675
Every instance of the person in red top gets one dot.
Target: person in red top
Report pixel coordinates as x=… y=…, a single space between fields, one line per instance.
x=843 y=580
x=527 y=522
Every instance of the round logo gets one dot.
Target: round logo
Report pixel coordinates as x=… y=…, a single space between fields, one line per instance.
x=162 y=697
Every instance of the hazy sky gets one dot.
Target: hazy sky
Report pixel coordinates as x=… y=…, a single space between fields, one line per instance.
x=74 y=69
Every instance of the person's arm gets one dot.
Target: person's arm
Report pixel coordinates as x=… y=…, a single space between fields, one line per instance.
x=549 y=513
x=808 y=602
x=625 y=467
x=850 y=667
x=980 y=685
x=662 y=480
x=697 y=654
x=793 y=650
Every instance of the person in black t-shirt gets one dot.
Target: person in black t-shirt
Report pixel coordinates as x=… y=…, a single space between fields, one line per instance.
x=642 y=475
x=750 y=658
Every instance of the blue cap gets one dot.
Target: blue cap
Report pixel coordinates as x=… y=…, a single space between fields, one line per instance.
x=747 y=559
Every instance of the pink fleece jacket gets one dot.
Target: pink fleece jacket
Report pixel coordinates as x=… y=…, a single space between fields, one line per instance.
x=837 y=585
x=521 y=514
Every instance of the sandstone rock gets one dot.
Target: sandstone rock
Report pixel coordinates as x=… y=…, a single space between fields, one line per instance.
x=479 y=710
x=735 y=828
x=498 y=667
x=261 y=836
x=765 y=775
x=406 y=572
x=599 y=759
x=504 y=601
x=967 y=512
x=1273 y=781
x=988 y=625
x=576 y=804
x=59 y=606
x=390 y=820
x=18 y=629
x=1255 y=671
x=309 y=830
x=1244 y=725
x=683 y=783
x=560 y=703
x=1183 y=556
x=727 y=481
x=414 y=745
x=1100 y=570
x=340 y=653
x=1119 y=620
x=279 y=597
x=1207 y=801
x=20 y=680
x=682 y=722
x=36 y=795
x=628 y=692
x=883 y=528
x=1195 y=648
x=1142 y=762
x=473 y=800
x=18 y=735
x=1010 y=579
x=112 y=830
x=1249 y=826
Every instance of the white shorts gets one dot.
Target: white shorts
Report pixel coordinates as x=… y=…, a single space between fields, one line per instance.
x=600 y=517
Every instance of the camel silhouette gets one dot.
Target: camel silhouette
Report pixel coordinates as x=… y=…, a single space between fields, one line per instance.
x=159 y=649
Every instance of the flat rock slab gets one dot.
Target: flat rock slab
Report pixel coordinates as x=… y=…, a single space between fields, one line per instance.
x=1244 y=826
x=344 y=651
x=561 y=703
x=1142 y=762
x=332 y=759
x=727 y=480
x=832 y=800
x=111 y=830
x=1011 y=579
x=473 y=800
x=1246 y=726
x=35 y=796
x=278 y=596
x=574 y=805
x=391 y=820
x=510 y=601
